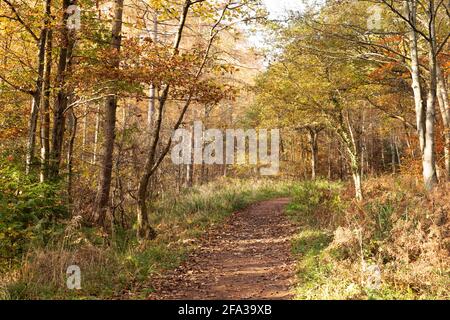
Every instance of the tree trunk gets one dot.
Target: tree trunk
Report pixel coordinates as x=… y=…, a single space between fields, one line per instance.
x=393 y=159
x=424 y=110
x=329 y=160
x=190 y=166
x=37 y=95
x=442 y=96
x=429 y=162
x=153 y=162
x=355 y=166
x=45 y=112
x=65 y=53
x=397 y=152
x=152 y=90
x=72 y=126
x=415 y=77
x=85 y=127
x=31 y=142
x=358 y=184
x=313 y=144
x=189 y=175
x=96 y=134
x=110 y=124
x=353 y=147
x=145 y=231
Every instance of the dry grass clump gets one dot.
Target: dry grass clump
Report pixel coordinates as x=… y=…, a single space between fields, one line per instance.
x=43 y=270
x=46 y=270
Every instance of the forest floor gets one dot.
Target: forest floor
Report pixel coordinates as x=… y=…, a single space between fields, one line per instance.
x=248 y=257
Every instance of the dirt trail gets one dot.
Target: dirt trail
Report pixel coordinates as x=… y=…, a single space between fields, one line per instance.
x=248 y=257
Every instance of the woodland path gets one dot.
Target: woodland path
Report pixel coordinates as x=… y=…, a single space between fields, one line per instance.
x=247 y=257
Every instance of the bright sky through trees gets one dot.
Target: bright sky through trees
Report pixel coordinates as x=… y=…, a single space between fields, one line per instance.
x=278 y=8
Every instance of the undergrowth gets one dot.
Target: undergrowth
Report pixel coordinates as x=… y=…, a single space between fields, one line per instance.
x=394 y=245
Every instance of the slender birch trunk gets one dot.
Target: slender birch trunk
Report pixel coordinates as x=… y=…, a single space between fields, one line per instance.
x=429 y=161
x=37 y=95
x=313 y=145
x=72 y=128
x=85 y=126
x=424 y=109
x=45 y=112
x=96 y=134
x=109 y=124
x=444 y=107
